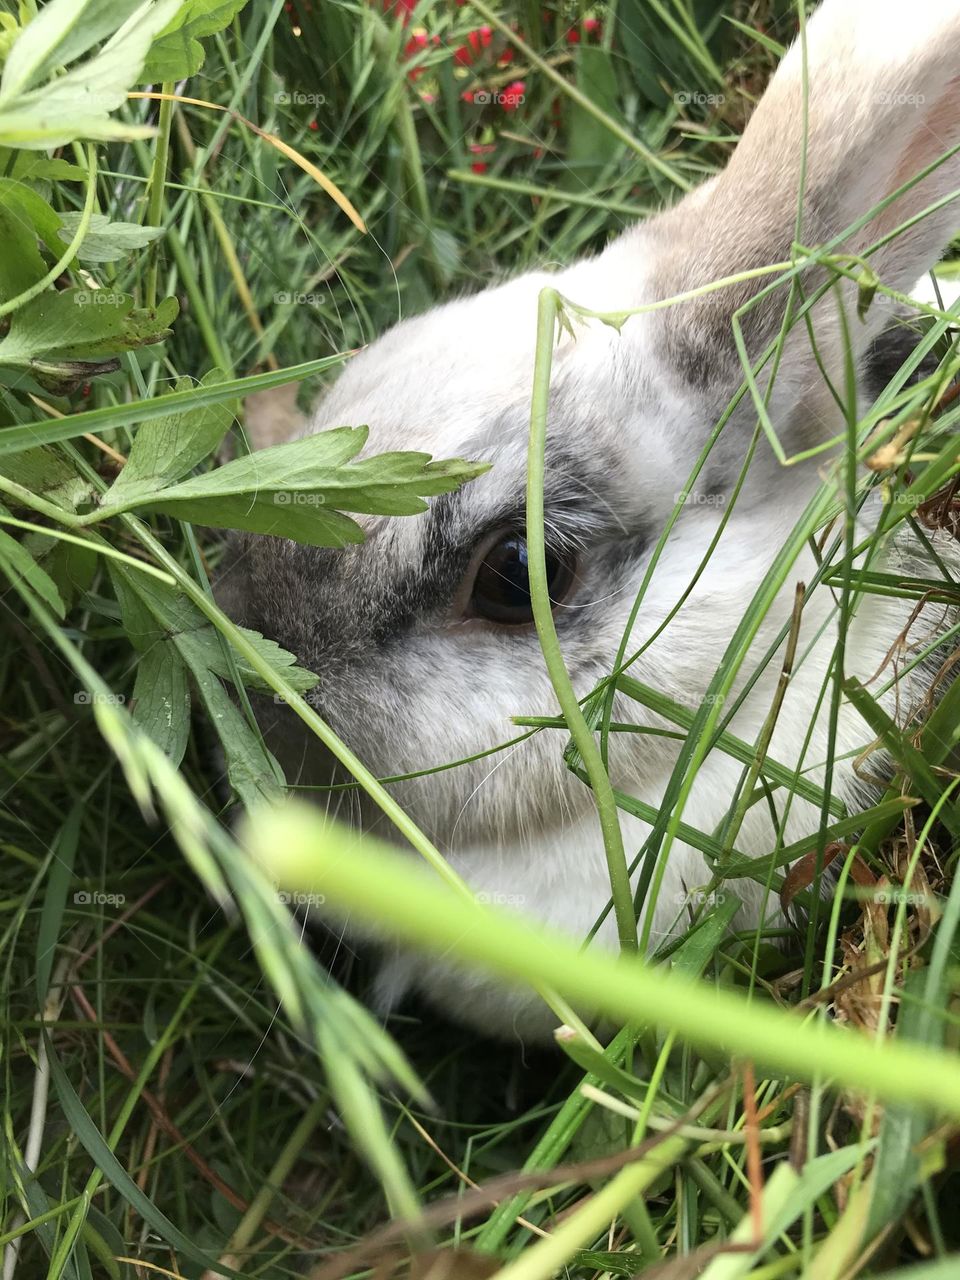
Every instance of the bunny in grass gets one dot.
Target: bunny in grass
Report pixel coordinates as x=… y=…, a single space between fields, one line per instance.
x=422 y=636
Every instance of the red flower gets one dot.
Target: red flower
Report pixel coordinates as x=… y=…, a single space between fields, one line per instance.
x=402 y=8
x=589 y=27
x=477 y=41
x=480 y=149
x=512 y=95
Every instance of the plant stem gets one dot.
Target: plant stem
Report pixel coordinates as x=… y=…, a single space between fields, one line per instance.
x=547 y=312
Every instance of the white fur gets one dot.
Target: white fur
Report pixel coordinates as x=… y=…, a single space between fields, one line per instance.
x=884 y=99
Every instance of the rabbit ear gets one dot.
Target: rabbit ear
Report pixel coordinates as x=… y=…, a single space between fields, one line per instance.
x=875 y=101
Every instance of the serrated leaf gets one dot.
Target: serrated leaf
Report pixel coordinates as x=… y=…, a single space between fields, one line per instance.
x=298 y=464
x=53 y=335
x=156 y=617
x=107 y=241
x=17 y=564
x=168 y=447
x=254 y=774
x=300 y=489
x=296 y=676
x=160 y=703
x=28 y=166
x=153 y=611
x=177 y=52
x=78 y=103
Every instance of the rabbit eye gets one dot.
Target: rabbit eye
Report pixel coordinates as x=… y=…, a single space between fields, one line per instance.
x=501 y=588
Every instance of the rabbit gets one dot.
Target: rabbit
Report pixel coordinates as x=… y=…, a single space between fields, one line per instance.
x=422 y=635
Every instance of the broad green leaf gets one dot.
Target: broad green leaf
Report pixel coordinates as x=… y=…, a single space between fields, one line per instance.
x=106 y=241
x=158 y=618
x=785 y=1197
x=160 y=704
x=17 y=564
x=32 y=211
x=70 y=566
x=297 y=677
x=170 y=446
x=592 y=145
x=254 y=774
x=21 y=265
x=299 y=489
x=177 y=52
x=298 y=464
x=61 y=31
x=77 y=104
x=61 y=337
x=47 y=474
x=28 y=166
x=153 y=611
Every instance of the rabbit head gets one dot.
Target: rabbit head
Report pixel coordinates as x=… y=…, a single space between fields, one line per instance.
x=422 y=635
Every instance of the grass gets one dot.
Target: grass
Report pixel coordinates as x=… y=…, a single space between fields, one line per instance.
x=185 y=1091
